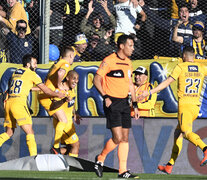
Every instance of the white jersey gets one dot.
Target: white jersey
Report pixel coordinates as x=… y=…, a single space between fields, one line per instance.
x=126 y=17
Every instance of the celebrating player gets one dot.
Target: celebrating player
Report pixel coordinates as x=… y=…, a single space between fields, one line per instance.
x=68 y=135
x=56 y=75
x=16 y=110
x=190 y=77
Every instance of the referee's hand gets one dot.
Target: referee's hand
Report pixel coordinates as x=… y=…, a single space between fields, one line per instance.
x=136 y=113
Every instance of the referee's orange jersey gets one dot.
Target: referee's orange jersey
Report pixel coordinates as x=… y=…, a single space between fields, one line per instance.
x=116 y=74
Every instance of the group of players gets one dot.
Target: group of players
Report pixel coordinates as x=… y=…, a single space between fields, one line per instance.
x=56 y=95
x=114 y=81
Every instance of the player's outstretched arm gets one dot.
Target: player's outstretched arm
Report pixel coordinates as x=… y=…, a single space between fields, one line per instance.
x=160 y=87
x=49 y=92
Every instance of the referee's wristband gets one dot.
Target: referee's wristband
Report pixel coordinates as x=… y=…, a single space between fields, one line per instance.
x=134 y=105
x=105 y=96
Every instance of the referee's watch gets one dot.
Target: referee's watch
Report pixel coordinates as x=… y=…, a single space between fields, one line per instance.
x=105 y=96
x=134 y=105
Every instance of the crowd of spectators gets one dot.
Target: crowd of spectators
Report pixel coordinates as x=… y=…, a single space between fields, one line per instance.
x=93 y=26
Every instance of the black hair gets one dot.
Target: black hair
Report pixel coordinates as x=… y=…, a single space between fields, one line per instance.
x=26 y=59
x=20 y=21
x=72 y=72
x=97 y=15
x=188 y=49
x=184 y=4
x=123 y=39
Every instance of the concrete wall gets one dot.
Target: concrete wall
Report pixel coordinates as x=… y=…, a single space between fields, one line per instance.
x=151 y=141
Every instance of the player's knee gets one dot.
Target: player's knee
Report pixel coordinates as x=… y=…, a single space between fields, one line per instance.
x=186 y=134
x=117 y=140
x=124 y=139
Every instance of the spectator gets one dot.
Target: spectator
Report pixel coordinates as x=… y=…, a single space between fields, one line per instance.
x=3 y=44
x=146 y=106
x=98 y=48
x=16 y=12
x=56 y=26
x=196 y=14
x=184 y=29
x=33 y=10
x=175 y=4
x=126 y=18
x=25 y=3
x=19 y=44
x=99 y=9
x=196 y=41
x=3 y=8
x=70 y=21
x=98 y=26
x=79 y=47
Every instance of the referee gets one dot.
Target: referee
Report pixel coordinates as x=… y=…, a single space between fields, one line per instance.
x=114 y=81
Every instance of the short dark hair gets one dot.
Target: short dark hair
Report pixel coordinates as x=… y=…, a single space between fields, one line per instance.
x=182 y=5
x=26 y=59
x=72 y=72
x=188 y=49
x=123 y=39
x=65 y=50
x=21 y=21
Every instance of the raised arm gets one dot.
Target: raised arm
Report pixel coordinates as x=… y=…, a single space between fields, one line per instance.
x=176 y=38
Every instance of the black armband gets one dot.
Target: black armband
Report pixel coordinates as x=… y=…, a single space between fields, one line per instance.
x=105 y=96
x=134 y=105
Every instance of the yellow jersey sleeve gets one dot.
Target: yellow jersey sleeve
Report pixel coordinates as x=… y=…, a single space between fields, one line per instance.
x=176 y=72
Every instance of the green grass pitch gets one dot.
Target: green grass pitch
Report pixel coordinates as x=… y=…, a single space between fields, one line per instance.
x=72 y=175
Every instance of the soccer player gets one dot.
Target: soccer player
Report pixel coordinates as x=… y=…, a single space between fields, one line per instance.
x=68 y=135
x=56 y=75
x=114 y=80
x=16 y=110
x=190 y=77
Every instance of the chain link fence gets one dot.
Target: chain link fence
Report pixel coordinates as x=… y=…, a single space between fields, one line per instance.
x=69 y=18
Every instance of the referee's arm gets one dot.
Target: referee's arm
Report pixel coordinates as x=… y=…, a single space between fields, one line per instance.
x=97 y=81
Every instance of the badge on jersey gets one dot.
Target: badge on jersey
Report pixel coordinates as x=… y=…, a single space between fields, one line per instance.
x=66 y=65
x=72 y=102
x=192 y=68
x=26 y=44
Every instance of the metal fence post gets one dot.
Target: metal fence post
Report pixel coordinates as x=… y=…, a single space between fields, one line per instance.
x=44 y=31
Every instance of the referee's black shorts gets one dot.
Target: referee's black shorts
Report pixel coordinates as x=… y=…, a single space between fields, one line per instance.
x=118 y=113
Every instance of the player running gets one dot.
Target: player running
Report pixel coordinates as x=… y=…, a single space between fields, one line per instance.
x=190 y=77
